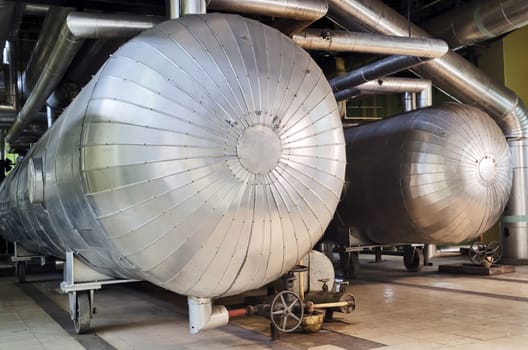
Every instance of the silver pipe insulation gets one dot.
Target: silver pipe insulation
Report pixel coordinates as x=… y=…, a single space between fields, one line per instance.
x=36 y=10
x=451 y=73
x=49 y=32
x=303 y=12
x=174 y=9
x=76 y=28
x=478 y=20
x=376 y=70
x=408 y=101
x=84 y=25
x=343 y=41
x=459 y=78
x=193 y=7
x=300 y=10
x=422 y=89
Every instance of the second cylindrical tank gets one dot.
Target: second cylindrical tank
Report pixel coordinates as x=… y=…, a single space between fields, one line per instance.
x=436 y=175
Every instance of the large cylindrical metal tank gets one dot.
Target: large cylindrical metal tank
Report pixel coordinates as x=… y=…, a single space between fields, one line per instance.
x=206 y=156
x=435 y=175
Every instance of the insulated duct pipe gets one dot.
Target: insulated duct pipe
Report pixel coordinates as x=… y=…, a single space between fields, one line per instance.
x=36 y=10
x=478 y=20
x=192 y=7
x=76 y=28
x=421 y=87
x=300 y=10
x=342 y=41
x=305 y=12
x=456 y=76
x=48 y=33
x=408 y=101
x=451 y=73
x=378 y=69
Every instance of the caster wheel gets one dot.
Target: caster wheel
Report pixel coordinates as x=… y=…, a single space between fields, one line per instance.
x=350 y=264
x=21 y=269
x=414 y=259
x=81 y=323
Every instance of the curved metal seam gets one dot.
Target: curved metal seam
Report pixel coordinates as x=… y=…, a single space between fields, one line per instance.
x=200 y=67
x=212 y=112
x=223 y=73
x=197 y=83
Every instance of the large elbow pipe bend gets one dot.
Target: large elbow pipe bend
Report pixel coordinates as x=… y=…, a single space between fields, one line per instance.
x=203 y=315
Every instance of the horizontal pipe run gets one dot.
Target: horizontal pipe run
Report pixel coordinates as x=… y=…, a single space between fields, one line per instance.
x=89 y=26
x=331 y=305
x=300 y=10
x=421 y=87
x=343 y=41
x=237 y=313
x=36 y=10
x=76 y=28
x=376 y=70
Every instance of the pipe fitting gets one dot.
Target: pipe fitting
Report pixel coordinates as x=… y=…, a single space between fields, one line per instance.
x=203 y=315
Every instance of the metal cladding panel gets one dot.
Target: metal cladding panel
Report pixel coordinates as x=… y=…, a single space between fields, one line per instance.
x=435 y=175
x=206 y=156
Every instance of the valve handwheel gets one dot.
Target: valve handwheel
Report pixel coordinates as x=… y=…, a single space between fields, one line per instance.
x=287 y=311
x=477 y=253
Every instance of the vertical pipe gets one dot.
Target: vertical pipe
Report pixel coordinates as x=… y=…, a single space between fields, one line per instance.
x=49 y=116
x=193 y=7
x=407 y=101
x=174 y=9
x=424 y=98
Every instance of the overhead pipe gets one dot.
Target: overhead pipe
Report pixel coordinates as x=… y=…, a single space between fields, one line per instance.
x=49 y=31
x=451 y=73
x=378 y=69
x=462 y=80
x=77 y=27
x=304 y=12
x=478 y=20
x=422 y=88
x=36 y=10
x=300 y=10
x=343 y=41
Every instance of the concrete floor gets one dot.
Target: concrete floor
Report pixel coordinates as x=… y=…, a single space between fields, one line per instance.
x=396 y=310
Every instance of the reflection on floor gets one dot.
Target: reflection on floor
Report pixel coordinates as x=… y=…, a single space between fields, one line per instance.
x=396 y=310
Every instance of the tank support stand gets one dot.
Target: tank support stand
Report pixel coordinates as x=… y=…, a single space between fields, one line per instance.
x=21 y=258
x=80 y=282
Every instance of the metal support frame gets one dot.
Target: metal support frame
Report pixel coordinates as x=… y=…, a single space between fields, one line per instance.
x=22 y=255
x=79 y=277
x=377 y=250
x=21 y=258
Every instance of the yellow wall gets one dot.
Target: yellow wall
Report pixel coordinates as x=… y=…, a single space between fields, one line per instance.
x=515 y=62
x=491 y=60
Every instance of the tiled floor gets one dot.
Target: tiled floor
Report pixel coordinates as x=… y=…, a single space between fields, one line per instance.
x=396 y=310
